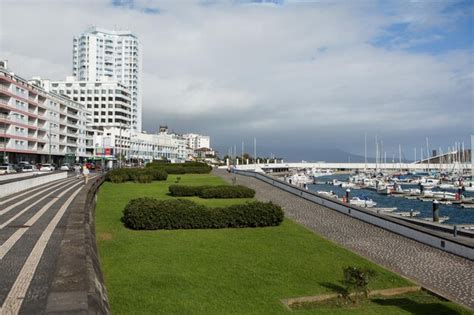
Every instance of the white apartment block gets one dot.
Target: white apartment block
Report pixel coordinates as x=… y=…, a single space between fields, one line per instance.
x=40 y=126
x=109 y=102
x=130 y=145
x=99 y=53
x=196 y=141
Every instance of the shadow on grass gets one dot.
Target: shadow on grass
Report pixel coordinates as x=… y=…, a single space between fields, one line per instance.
x=415 y=307
x=336 y=288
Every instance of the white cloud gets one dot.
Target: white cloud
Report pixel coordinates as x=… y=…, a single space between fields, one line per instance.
x=234 y=71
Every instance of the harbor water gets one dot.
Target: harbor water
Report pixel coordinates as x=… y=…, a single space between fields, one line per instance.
x=456 y=214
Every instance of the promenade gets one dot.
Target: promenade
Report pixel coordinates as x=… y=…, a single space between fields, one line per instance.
x=32 y=232
x=441 y=272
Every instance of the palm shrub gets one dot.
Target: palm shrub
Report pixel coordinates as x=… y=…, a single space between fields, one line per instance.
x=356 y=281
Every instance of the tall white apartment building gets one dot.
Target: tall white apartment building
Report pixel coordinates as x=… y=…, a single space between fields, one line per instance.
x=40 y=126
x=196 y=141
x=99 y=53
x=108 y=101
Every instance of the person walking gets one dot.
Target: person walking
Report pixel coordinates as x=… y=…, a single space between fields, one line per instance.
x=85 y=174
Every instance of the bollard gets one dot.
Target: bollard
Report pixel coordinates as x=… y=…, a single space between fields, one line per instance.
x=347 y=194
x=455 y=230
x=435 y=211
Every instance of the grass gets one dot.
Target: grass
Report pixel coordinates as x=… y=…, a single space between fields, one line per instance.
x=226 y=271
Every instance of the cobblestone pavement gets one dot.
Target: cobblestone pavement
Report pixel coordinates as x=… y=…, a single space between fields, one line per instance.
x=446 y=274
x=32 y=225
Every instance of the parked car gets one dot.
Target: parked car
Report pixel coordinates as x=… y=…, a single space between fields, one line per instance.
x=65 y=167
x=7 y=169
x=28 y=168
x=46 y=168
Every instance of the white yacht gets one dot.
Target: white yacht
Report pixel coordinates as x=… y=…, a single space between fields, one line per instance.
x=365 y=202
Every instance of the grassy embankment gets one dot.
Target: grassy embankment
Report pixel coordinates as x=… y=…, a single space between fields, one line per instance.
x=240 y=271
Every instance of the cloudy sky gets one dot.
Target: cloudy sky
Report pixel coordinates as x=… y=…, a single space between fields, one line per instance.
x=300 y=76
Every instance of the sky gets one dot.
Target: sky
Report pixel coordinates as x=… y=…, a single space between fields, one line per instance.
x=299 y=76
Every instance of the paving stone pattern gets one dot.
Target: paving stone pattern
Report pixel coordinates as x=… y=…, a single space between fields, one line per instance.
x=446 y=274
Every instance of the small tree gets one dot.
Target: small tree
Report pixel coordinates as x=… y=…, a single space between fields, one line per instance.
x=356 y=281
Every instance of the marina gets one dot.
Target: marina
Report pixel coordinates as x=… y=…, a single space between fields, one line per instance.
x=411 y=203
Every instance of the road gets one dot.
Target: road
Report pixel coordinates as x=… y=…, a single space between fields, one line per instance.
x=32 y=225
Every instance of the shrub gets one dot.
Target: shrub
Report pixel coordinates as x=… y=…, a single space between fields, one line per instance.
x=225 y=191
x=356 y=281
x=151 y=214
x=222 y=191
x=181 y=168
x=140 y=175
x=186 y=191
x=116 y=179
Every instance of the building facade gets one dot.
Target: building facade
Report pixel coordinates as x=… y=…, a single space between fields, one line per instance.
x=108 y=101
x=39 y=126
x=99 y=53
x=196 y=141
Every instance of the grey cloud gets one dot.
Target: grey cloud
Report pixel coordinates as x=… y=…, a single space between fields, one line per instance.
x=297 y=76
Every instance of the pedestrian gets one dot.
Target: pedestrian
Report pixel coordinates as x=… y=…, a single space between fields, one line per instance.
x=85 y=173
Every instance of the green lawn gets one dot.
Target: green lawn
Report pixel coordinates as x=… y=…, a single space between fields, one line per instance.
x=226 y=271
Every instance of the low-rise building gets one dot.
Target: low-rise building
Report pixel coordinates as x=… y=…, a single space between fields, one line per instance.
x=40 y=126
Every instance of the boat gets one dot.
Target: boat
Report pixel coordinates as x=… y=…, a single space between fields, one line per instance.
x=299 y=179
x=320 y=173
x=408 y=213
x=441 y=219
x=362 y=202
x=329 y=194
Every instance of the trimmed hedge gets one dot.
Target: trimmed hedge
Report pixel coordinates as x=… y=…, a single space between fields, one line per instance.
x=185 y=190
x=226 y=191
x=221 y=191
x=139 y=175
x=181 y=168
x=152 y=214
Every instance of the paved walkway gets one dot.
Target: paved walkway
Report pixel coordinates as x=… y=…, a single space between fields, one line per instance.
x=32 y=225
x=441 y=272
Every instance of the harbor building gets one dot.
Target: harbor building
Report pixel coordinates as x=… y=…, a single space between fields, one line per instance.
x=108 y=101
x=40 y=126
x=99 y=53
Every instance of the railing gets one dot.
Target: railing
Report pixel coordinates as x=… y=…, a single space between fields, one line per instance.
x=430 y=236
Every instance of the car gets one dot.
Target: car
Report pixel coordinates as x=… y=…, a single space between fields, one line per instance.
x=28 y=168
x=90 y=165
x=7 y=169
x=46 y=168
x=65 y=167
